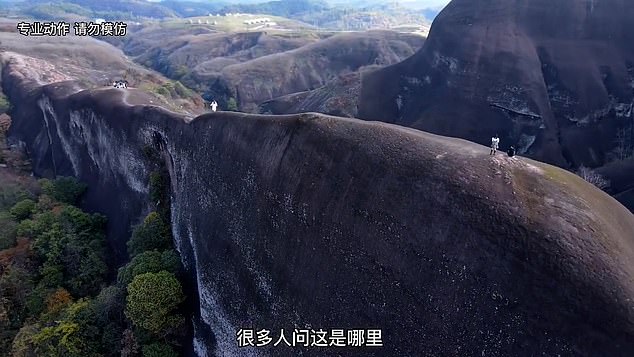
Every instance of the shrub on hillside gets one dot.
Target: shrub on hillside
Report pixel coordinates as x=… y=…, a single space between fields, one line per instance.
x=182 y=91
x=152 y=234
x=593 y=177
x=23 y=209
x=152 y=302
x=10 y=195
x=40 y=223
x=163 y=90
x=159 y=350
x=70 y=244
x=158 y=186
x=5 y=105
x=57 y=301
x=232 y=104
x=149 y=262
x=180 y=72
x=63 y=189
x=64 y=336
x=8 y=231
x=109 y=305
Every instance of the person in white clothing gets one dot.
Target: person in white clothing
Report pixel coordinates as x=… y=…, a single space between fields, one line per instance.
x=214 y=105
x=495 y=143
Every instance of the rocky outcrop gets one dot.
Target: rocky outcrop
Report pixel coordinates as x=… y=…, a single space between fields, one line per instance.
x=309 y=221
x=553 y=78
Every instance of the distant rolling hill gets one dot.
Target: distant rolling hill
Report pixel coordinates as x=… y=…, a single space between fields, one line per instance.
x=307 y=67
x=253 y=67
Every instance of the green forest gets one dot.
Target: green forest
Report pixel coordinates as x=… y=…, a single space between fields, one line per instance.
x=60 y=294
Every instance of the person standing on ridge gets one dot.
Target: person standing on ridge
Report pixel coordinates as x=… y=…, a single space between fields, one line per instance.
x=214 y=105
x=495 y=143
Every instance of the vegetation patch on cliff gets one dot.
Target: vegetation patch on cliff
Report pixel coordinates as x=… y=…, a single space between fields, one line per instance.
x=58 y=293
x=4 y=103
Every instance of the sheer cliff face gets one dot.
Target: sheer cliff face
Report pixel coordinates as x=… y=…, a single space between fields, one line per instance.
x=321 y=222
x=554 y=78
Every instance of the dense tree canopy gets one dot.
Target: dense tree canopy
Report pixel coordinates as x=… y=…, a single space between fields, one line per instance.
x=152 y=234
x=64 y=189
x=150 y=262
x=23 y=209
x=51 y=253
x=54 y=293
x=152 y=302
x=159 y=350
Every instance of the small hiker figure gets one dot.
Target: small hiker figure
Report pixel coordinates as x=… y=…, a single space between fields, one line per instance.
x=214 y=105
x=511 y=151
x=495 y=142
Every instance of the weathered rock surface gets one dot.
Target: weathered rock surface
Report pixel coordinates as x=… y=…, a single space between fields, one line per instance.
x=324 y=222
